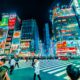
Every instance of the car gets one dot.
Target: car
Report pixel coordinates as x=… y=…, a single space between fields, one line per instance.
x=63 y=57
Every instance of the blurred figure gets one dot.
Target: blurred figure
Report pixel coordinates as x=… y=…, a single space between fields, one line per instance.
x=12 y=65
x=17 y=62
x=9 y=60
x=73 y=72
x=3 y=71
x=37 y=69
x=33 y=62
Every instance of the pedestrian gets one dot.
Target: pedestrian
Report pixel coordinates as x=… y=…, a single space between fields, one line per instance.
x=37 y=69
x=73 y=72
x=17 y=62
x=3 y=71
x=9 y=60
x=33 y=62
x=12 y=65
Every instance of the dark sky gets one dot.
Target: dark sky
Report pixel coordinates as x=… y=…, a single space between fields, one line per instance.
x=27 y=9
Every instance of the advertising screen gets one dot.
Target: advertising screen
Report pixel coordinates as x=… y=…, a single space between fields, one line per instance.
x=7 y=51
x=4 y=21
x=66 y=47
x=16 y=34
x=16 y=40
x=63 y=12
x=14 y=46
x=11 y=22
x=3 y=34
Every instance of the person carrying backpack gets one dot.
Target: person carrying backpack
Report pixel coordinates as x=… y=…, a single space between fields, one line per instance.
x=3 y=71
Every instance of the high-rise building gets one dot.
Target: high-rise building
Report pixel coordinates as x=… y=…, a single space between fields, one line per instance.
x=46 y=39
x=76 y=8
x=29 y=36
x=66 y=31
x=3 y=31
x=36 y=38
x=13 y=22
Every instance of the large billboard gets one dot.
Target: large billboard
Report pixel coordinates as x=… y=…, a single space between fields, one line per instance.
x=12 y=21
x=16 y=34
x=65 y=47
x=5 y=19
x=57 y=12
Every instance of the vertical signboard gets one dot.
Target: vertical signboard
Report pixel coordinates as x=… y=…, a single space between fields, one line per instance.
x=5 y=19
x=12 y=21
x=11 y=25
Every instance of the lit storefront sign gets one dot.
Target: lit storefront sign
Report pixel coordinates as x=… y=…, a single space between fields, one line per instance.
x=65 y=48
x=7 y=51
x=61 y=45
x=5 y=19
x=16 y=34
x=9 y=39
x=14 y=46
x=12 y=21
x=63 y=12
x=25 y=45
x=2 y=45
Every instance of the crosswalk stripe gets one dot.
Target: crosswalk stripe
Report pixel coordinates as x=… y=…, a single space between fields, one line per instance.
x=54 y=68
x=50 y=67
x=44 y=65
x=50 y=62
x=61 y=73
x=66 y=78
x=51 y=72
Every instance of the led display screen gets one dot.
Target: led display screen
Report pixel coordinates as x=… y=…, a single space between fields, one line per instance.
x=4 y=21
x=11 y=22
x=16 y=34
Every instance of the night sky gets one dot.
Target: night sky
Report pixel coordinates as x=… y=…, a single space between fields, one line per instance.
x=27 y=9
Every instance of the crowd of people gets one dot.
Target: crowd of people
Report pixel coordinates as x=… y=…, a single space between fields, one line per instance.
x=72 y=71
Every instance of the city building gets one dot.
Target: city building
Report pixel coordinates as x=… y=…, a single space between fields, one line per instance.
x=76 y=8
x=3 y=31
x=66 y=31
x=46 y=39
x=13 y=22
x=29 y=36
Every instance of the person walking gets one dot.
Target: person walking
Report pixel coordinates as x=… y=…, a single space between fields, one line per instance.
x=37 y=69
x=3 y=70
x=12 y=65
x=17 y=62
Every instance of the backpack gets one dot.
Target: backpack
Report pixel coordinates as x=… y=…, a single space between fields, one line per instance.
x=2 y=73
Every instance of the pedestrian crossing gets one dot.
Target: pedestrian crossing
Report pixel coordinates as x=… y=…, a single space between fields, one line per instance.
x=52 y=67
x=56 y=67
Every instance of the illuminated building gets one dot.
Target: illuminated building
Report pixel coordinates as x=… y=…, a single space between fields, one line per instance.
x=36 y=38
x=46 y=39
x=66 y=31
x=13 y=22
x=29 y=34
x=76 y=7
x=3 y=32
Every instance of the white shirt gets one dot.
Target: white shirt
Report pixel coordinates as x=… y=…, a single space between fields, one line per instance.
x=37 y=68
x=12 y=63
